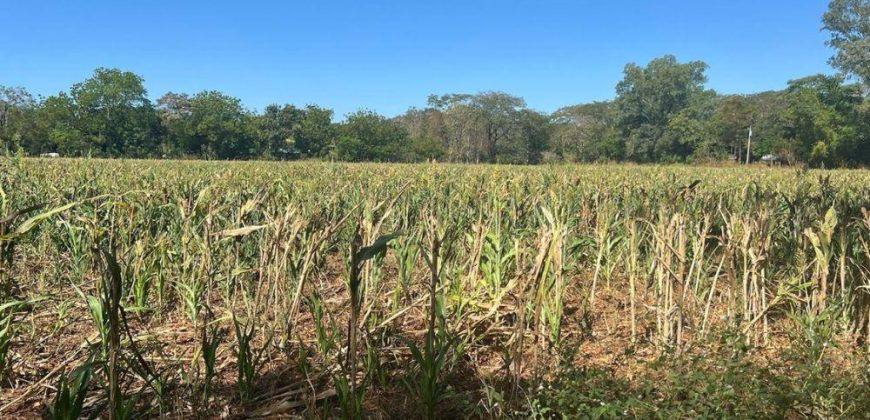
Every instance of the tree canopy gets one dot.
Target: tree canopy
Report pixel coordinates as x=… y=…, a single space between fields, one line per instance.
x=848 y=22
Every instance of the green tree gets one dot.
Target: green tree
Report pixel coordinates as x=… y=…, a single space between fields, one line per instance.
x=174 y=110
x=587 y=133
x=115 y=115
x=648 y=97
x=499 y=112
x=367 y=136
x=315 y=133
x=277 y=127
x=848 y=22
x=532 y=141
x=691 y=132
x=769 y=123
x=17 y=117
x=218 y=127
x=427 y=131
x=489 y=126
x=426 y=148
x=58 y=128
x=732 y=119
x=823 y=118
x=463 y=132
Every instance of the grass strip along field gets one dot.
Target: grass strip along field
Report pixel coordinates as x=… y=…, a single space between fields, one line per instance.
x=158 y=288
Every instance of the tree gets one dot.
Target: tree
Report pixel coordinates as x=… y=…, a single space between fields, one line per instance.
x=769 y=123
x=367 y=136
x=424 y=149
x=533 y=139
x=487 y=126
x=499 y=112
x=315 y=132
x=174 y=109
x=58 y=128
x=427 y=131
x=114 y=113
x=691 y=131
x=209 y=124
x=217 y=127
x=587 y=133
x=17 y=108
x=463 y=132
x=733 y=117
x=425 y=122
x=823 y=118
x=277 y=127
x=648 y=97
x=848 y=21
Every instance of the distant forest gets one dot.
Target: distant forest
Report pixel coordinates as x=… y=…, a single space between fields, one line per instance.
x=662 y=112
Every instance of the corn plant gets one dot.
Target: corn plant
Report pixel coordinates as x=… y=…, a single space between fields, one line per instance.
x=350 y=396
x=822 y=241
x=110 y=308
x=497 y=260
x=633 y=269
x=209 y=342
x=192 y=294
x=7 y=334
x=359 y=255
x=249 y=360
x=325 y=334
x=407 y=252
x=551 y=292
x=9 y=327
x=494 y=261
x=72 y=390
x=11 y=233
x=605 y=244
x=436 y=349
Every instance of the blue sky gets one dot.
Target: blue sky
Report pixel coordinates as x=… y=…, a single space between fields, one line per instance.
x=389 y=55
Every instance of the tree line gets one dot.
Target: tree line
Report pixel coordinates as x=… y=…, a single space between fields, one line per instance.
x=662 y=112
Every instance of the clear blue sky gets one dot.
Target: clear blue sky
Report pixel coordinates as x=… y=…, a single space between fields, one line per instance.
x=389 y=55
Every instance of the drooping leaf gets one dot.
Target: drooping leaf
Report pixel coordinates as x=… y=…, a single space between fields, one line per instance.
x=242 y=231
x=21 y=212
x=376 y=248
x=34 y=221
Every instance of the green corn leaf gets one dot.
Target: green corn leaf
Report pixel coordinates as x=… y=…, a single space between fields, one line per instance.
x=34 y=221
x=378 y=247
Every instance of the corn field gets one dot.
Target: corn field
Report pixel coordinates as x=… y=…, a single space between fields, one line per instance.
x=167 y=288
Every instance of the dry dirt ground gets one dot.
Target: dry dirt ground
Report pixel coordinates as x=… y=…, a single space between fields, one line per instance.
x=296 y=381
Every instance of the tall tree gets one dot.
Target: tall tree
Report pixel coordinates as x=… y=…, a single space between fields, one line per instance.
x=276 y=127
x=587 y=133
x=690 y=132
x=315 y=133
x=532 y=140
x=218 y=127
x=367 y=136
x=488 y=126
x=648 y=97
x=174 y=110
x=17 y=109
x=427 y=131
x=733 y=118
x=823 y=118
x=114 y=113
x=58 y=128
x=848 y=21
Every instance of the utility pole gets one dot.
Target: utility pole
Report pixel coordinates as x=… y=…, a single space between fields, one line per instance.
x=748 y=145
